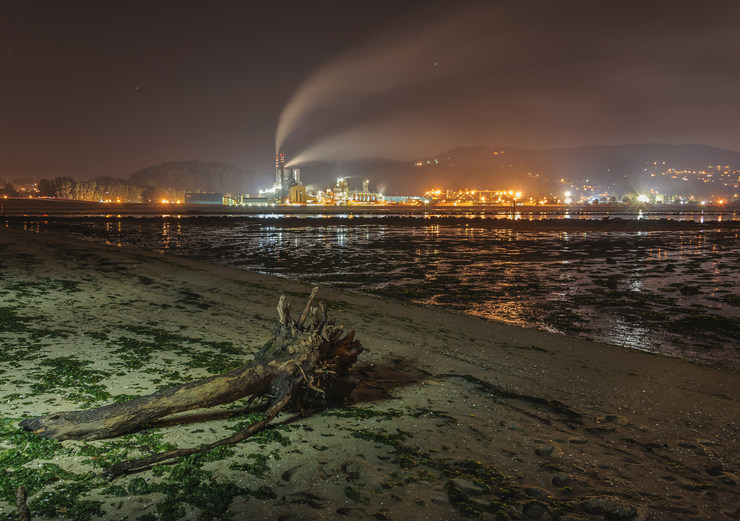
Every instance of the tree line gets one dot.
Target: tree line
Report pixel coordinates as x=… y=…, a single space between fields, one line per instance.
x=98 y=189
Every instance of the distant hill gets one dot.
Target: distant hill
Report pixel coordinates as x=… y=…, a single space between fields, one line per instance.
x=196 y=176
x=484 y=167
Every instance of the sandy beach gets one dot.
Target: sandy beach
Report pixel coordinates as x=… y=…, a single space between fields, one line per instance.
x=455 y=417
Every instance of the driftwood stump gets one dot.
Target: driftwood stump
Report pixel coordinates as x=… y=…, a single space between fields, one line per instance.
x=306 y=364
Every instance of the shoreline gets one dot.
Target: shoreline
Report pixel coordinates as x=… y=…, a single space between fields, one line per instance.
x=30 y=207
x=656 y=436
x=605 y=224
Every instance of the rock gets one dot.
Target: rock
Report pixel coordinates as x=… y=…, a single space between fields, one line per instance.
x=534 y=510
x=578 y=441
x=537 y=493
x=482 y=504
x=715 y=471
x=613 y=508
x=612 y=280
x=727 y=480
x=468 y=487
x=514 y=427
x=441 y=501
x=544 y=451
x=561 y=480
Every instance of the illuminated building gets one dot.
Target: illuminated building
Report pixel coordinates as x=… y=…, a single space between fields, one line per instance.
x=284 y=184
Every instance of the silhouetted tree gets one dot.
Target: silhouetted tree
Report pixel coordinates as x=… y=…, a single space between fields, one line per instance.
x=47 y=188
x=9 y=190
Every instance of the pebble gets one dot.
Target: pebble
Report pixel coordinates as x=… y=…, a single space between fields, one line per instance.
x=534 y=510
x=441 y=500
x=537 y=493
x=611 y=507
x=544 y=450
x=561 y=480
x=468 y=487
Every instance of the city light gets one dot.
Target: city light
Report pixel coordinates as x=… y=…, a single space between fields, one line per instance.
x=643 y=198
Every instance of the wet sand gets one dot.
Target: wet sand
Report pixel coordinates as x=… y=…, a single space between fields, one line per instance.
x=456 y=417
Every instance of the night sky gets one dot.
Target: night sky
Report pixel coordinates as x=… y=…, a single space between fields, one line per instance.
x=106 y=88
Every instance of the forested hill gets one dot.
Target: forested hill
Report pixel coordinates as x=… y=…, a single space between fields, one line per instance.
x=195 y=176
x=486 y=167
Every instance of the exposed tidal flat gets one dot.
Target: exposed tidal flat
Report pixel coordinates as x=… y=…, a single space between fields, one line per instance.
x=455 y=417
x=660 y=285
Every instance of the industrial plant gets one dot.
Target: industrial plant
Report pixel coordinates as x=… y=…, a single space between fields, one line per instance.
x=288 y=189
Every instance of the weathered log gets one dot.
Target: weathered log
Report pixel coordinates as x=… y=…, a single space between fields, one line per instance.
x=307 y=361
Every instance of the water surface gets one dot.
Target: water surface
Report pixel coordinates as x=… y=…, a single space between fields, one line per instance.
x=666 y=291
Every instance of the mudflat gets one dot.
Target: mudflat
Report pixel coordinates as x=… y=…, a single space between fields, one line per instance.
x=455 y=417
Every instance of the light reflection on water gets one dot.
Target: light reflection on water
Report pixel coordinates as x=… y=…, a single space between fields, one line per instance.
x=623 y=288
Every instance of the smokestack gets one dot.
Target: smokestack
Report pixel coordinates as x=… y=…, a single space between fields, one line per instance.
x=280 y=171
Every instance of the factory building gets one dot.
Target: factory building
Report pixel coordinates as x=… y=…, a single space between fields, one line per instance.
x=285 y=180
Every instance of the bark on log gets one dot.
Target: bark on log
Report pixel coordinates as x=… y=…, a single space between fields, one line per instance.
x=24 y=514
x=306 y=363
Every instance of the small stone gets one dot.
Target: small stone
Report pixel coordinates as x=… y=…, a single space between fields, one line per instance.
x=578 y=441
x=468 y=487
x=544 y=451
x=514 y=427
x=441 y=501
x=483 y=504
x=537 y=493
x=687 y=445
x=715 y=471
x=668 y=477
x=613 y=508
x=561 y=480
x=727 y=480
x=534 y=510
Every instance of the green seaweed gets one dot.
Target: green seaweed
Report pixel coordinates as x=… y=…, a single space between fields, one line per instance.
x=72 y=379
x=10 y=321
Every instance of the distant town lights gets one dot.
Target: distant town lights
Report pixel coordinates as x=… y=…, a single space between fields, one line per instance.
x=643 y=198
